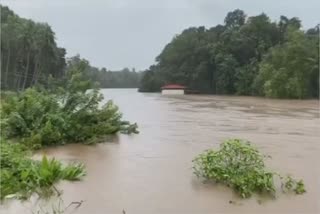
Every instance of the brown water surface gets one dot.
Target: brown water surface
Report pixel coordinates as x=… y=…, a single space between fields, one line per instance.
x=152 y=172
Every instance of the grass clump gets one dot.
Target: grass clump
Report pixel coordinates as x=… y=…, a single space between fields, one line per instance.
x=241 y=166
x=22 y=176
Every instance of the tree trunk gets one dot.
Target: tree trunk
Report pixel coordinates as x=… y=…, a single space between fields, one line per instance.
x=12 y=79
x=36 y=72
x=7 y=68
x=26 y=72
x=18 y=80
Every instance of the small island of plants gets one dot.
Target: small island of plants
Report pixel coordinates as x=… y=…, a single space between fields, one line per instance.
x=241 y=166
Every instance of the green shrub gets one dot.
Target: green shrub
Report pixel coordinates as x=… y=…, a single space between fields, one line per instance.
x=21 y=176
x=39 y=116
x=241 y=166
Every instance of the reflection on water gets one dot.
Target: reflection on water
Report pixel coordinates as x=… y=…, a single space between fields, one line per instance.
x=151 y=172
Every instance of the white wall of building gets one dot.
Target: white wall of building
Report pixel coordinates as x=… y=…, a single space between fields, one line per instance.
x=172 y=91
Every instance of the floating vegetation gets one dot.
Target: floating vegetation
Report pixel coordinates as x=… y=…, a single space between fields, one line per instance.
x=241 y=166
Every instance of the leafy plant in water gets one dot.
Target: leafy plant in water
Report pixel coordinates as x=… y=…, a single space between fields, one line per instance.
x=21 y=176
x=290 y=184
x=241 y=166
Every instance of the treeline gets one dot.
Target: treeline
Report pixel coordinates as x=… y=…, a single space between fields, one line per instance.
x=245 y=56
x=124 y=78
x=30 y=55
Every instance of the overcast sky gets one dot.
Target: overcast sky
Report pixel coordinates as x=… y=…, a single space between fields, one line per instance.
x=131 y=33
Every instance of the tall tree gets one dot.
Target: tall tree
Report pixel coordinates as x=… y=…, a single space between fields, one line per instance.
x=289 y=69
x=29 y=52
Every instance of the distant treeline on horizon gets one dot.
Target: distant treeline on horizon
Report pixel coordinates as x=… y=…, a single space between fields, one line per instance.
x=124 y=78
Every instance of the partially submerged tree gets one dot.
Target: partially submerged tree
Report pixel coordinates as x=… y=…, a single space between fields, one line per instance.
x=65 y=111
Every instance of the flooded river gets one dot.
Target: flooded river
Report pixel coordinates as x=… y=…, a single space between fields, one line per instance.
x=152 y=172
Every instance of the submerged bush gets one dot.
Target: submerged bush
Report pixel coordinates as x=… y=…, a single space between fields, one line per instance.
x=63 y=111
x=21 y=176
x=58 y=115
x=241 y=166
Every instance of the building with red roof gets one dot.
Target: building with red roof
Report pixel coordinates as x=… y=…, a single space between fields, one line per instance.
x=173 y=89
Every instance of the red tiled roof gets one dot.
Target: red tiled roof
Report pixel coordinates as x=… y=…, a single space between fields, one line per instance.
x=173 y=86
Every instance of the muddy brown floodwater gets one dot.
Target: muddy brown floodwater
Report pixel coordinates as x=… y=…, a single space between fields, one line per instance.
x=152 y=172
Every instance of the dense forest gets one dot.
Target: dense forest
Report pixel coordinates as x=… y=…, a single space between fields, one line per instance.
x=30 y=55
x=244 y=56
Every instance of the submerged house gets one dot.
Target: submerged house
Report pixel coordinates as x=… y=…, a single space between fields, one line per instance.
x=173 y=89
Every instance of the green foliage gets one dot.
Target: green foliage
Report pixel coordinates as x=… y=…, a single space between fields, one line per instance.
x=235 y=19
x=246 y=56
x=288 y=70
x=29 y=53
x=226 y=67
x=150 y=82
x=124 y=78
x=21 y=176
x=241 y=166
x=299 y=187
x=290 y=184
x=58 y=115
x=30 y=56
